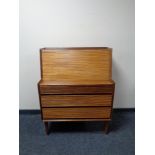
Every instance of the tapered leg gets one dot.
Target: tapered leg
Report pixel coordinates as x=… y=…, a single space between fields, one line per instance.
x=106 y=127
x=46 y=127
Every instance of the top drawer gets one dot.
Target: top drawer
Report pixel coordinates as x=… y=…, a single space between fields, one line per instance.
x=76 y=89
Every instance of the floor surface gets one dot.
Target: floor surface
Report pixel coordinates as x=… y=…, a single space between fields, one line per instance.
x=78 y=138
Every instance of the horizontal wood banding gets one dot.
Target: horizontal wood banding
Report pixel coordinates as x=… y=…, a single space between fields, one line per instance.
x=81 y=112
x=48 y=49
x=82 y=65
x=75 y=100
x=76 y=119
x=76 y=89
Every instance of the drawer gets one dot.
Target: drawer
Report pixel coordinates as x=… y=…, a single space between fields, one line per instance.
x=76 y=89
x=80 y=112
x=75 y=100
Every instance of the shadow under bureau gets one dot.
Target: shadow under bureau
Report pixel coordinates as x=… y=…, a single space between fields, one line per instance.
x=76 y=85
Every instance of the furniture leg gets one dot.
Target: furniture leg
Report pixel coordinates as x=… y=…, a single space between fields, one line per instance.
x=106 y=127
x=46 y=127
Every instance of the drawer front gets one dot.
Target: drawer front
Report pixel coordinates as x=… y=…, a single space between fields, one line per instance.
x=80 y=112
x=75 y=100
x=62 y=89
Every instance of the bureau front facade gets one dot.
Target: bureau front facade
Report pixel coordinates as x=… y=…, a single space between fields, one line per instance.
x=76 y=85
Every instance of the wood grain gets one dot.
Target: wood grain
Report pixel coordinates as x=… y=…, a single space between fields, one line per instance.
x=80 y=112
x=75 y=119
x=91 y=66
x=68 y=83
x=75 y=100
x=76 y=84
x=76 y=89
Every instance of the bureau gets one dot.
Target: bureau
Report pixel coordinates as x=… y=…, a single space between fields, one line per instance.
x=76 y=85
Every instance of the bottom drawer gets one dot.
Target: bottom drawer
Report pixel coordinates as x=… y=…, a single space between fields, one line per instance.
x=80 y=112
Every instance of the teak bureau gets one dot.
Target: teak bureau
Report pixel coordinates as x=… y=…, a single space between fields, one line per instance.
x=76 y=85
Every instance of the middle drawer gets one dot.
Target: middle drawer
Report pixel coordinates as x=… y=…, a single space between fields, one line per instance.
x=75 y=100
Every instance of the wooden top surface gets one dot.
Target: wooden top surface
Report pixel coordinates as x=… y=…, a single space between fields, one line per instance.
x=69 y=66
